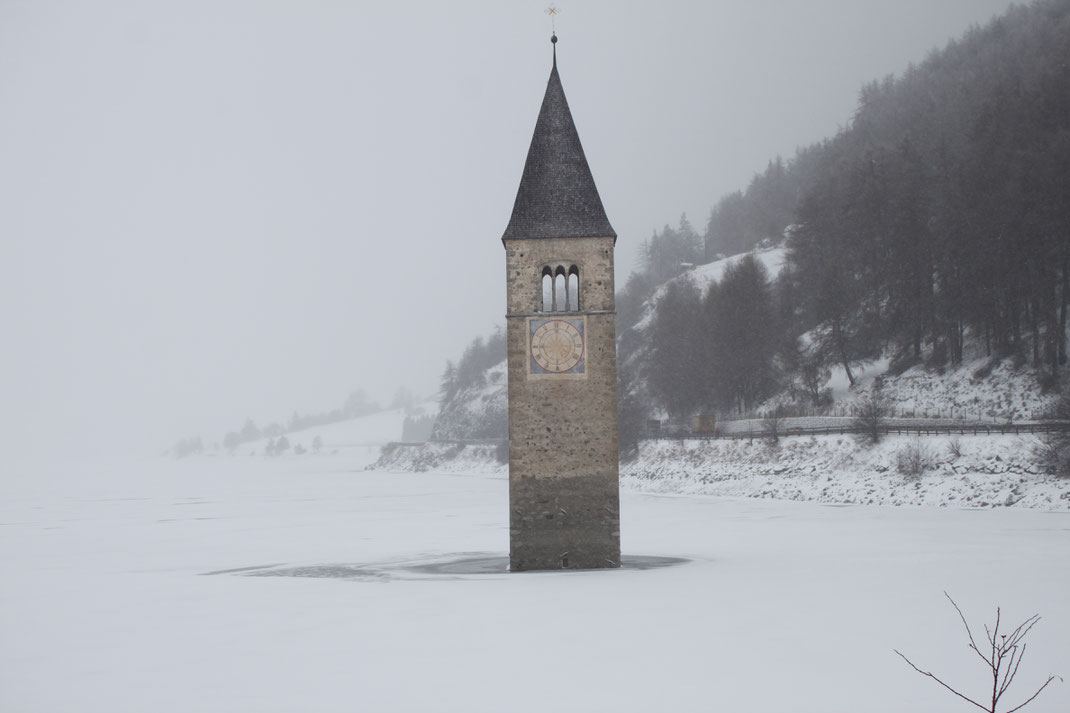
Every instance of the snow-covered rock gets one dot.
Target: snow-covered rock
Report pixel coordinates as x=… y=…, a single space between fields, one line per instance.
x=990 y=471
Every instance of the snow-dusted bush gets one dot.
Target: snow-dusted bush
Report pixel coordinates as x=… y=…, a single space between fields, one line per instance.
x=1052 y=451
x=913 y=458
x=1053 y=448
x=771 y=424
x=870 y=415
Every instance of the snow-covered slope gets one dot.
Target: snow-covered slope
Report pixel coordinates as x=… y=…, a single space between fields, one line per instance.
x=976 y=389
x=477 y=412
x=704 y=275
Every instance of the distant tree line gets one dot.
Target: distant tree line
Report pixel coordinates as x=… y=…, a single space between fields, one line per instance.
x=743 y=219
x=357 y=404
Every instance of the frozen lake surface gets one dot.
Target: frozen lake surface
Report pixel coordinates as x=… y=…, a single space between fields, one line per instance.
x=309 y=585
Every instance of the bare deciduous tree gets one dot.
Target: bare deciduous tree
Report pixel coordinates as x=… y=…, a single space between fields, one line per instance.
x=1003 y=656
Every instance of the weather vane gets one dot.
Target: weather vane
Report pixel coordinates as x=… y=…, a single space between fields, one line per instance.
x=553 y=12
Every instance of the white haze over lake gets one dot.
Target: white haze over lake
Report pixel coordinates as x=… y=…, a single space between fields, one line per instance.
x=213 y=210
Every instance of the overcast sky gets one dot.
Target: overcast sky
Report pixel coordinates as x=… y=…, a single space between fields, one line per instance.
x=212 y=209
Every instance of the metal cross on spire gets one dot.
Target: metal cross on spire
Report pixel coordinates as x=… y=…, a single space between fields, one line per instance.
x=553 y=11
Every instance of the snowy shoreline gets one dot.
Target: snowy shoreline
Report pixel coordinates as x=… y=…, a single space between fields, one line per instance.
x=986 y=471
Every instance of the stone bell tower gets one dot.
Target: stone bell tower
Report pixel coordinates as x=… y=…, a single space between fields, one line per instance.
x=564 y=500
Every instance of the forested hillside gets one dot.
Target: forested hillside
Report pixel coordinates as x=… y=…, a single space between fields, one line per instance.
x=943 y=213
x=933 y=228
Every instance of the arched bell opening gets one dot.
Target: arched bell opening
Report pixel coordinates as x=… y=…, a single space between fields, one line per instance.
x=546 y=291
x=560 y=290
x=573 y=288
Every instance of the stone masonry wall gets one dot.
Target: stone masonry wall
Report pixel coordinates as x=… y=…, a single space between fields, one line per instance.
x=563 y=472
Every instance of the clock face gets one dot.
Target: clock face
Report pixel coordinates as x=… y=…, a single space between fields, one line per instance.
x=557 y=346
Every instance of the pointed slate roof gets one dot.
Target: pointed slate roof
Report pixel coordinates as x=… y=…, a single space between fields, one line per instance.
x=557 y=197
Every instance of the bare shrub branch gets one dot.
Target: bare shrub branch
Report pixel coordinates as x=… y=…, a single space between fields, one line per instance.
x=1005 y=654
x=933 y=677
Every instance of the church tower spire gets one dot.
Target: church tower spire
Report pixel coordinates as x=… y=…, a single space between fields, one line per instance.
x=557 y=196
x=564 y=498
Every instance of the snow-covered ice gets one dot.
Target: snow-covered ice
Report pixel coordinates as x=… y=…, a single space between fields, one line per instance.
x=106 y=603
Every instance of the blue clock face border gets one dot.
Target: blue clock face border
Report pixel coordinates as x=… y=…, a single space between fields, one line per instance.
x=570 y=328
